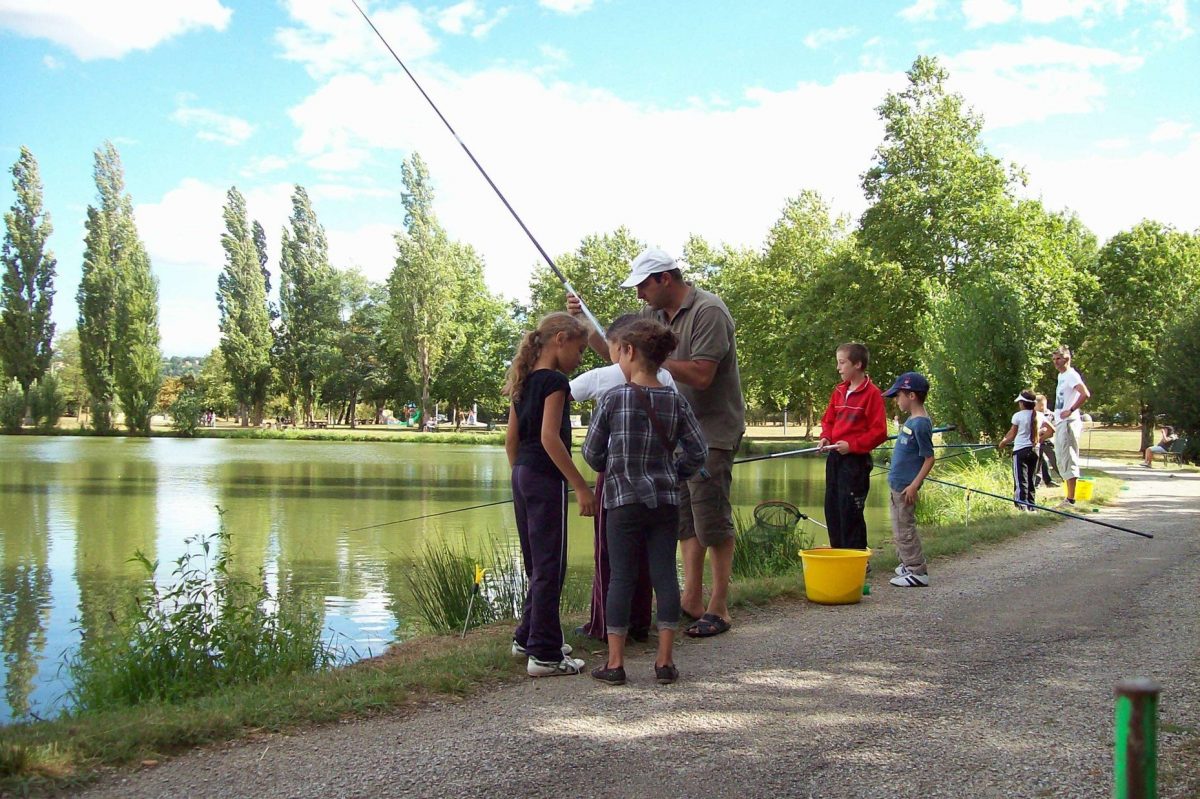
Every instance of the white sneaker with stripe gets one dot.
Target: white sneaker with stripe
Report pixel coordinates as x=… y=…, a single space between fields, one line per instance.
x=910 y=580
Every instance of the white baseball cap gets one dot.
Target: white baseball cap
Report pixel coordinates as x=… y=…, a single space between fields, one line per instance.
x=650 y=261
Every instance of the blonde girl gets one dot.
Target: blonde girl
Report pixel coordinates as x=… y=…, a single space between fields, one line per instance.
x=538 y=444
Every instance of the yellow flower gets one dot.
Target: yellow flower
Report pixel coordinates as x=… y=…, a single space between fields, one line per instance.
x=479 y=574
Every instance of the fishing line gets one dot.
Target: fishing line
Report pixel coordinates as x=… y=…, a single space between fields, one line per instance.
x=545 y=255
x=809 y=450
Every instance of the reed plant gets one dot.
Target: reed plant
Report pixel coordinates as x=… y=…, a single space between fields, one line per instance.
x=982 y=471
x=203 y=631
x=442 y=582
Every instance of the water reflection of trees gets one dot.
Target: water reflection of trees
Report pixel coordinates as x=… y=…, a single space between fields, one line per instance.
x=116 y=515
x=24 y=583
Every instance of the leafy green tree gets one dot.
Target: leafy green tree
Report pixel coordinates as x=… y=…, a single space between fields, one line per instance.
x=46 y=401
x=1177 y=383
x=933 y=188
x=423 y=285
x=118 y=304
x=67 y=366
x=356 y=365
x=100 y=284
x=1145 y=275
x=596 y=270
x=185 y=410
x=474 y=371
x=27 y=287
x=214 y=385
x=12 y=407
x=308 y=303
x=245 y=318
x=138 y=359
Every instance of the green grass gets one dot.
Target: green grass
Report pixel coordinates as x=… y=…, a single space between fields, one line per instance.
x=376 y=434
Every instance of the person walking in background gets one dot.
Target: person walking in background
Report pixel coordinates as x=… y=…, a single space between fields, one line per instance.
x=635 y=433
x=592 y=385
x=1023 y=435
x=853 y=425
x=705 y=367
x=912 y=459
x=538 y=445
x=1046 y=459
x=1070 y=396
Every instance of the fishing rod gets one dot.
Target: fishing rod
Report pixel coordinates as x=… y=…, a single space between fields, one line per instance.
x=545 y=255
x=826 y=448
x=970 y=490
x=428 y=516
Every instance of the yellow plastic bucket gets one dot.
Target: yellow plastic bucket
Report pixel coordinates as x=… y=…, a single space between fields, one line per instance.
x=834 y=576
x=1083 y=489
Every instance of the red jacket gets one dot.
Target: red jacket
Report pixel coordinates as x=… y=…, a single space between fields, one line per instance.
x=858 y=420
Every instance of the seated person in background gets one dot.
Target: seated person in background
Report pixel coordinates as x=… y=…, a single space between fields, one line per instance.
x=1161 y=448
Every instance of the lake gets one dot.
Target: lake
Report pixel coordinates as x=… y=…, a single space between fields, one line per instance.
x=74 y=510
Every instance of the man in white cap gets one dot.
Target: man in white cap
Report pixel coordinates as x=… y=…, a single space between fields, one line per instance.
x=705 y=369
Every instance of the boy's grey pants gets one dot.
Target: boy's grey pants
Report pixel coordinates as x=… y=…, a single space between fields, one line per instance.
x=904 y=532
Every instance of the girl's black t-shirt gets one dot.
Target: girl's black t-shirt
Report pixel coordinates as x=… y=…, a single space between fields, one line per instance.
x=539 y=385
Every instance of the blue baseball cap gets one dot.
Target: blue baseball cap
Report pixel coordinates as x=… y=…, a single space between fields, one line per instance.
x=909 y=381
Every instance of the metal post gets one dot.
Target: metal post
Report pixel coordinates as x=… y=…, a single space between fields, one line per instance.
x=1135 y=755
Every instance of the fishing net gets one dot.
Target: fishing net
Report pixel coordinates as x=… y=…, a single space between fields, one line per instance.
x=777 y=516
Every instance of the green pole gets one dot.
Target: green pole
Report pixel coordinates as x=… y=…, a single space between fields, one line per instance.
x=1135 y=755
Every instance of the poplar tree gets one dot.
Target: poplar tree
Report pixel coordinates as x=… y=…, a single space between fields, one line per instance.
x=423 y=286
x=242 y=300
x=308 y=302
x=118 y=305
x=27 y=290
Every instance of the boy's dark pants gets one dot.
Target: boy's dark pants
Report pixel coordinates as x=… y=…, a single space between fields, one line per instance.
x=847 y=482
x=540 y=500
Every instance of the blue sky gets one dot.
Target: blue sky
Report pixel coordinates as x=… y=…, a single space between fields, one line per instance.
x=670 y=117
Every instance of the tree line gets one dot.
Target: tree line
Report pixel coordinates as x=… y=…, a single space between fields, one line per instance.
x=951 y=270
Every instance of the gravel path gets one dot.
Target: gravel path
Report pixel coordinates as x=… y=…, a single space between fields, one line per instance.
x=995 y=682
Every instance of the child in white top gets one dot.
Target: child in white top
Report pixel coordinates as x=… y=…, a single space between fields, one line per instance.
x=1024 y=433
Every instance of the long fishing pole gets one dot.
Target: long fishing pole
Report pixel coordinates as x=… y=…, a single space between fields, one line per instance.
x=1040 y=507
x=794 y=452
x=542 y=250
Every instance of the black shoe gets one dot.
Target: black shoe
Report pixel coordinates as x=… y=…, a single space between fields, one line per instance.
x=611 y=676
x=641 y=635
x=665 y=675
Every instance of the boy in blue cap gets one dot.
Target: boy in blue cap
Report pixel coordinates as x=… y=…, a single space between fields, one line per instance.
x=911 y=461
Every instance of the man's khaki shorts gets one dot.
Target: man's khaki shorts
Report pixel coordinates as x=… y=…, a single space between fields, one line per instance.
x=704 y=510
x=1066 y=447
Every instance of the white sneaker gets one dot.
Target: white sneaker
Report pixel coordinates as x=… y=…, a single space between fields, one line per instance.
x=551 y=668
x=910 y=580
x=901 y=570
x=519 y=651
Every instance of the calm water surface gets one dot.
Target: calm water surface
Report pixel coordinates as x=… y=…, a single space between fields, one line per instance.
x=74 y=510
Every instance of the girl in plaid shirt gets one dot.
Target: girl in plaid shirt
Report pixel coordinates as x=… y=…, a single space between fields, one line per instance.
x=646 y=439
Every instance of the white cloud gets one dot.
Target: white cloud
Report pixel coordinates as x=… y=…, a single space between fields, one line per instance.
x=567 y=6
x=1035 y=79
x=332 y=37
x=575 y=174
x=1112 y=192
x=1119 y=143
x=823 y=36
x=213 y=125
x=921 y=11
x=987 y=12
x=110 y=29
x=50 y=62
x=264 y=165
x=469 y=17
x=1170 y=131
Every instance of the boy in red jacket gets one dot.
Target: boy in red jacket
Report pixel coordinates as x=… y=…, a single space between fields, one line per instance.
x=853 y=425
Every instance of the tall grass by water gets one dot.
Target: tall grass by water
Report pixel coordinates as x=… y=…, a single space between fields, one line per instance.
x=768 y=551
x=205 y=630
x=442 y=583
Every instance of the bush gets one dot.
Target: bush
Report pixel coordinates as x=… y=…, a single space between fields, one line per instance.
x=206 y=631
x=1177 y=388
x=12 y=408
x=47 y=402
x=186 y=411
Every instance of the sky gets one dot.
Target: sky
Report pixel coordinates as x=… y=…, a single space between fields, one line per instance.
x=672 y=118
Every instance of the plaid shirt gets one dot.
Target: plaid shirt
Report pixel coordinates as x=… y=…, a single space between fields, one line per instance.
x=622 y=443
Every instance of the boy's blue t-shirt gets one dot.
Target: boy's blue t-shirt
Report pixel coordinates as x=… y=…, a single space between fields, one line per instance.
x=913 y=446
